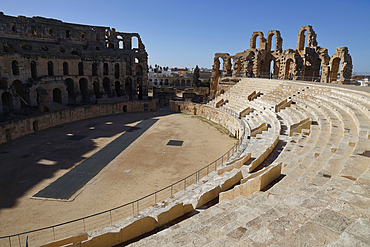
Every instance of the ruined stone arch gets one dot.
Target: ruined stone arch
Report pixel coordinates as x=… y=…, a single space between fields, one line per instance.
x=254 y=38
x=341 y=62
x=289 y=68
x=311 y=38
x=278 y=42
x=335 y=65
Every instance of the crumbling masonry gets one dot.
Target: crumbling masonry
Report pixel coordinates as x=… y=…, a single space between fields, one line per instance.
x=307 y=62
x=46 y=64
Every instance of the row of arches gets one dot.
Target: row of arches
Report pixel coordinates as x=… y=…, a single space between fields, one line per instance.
x=119 y=88
x=81 y=72
x=170 y=82
x=312 y=68
x=81 y=89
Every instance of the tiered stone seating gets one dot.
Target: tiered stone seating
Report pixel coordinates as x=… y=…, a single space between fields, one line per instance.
x=323 y=198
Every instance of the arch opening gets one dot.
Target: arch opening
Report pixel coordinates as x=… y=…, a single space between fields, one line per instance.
x=117 y=87
x=134 y=42
x=65 y=68
x=15 y=67
x=33 y=70
x=7 y=102
x=335 y=69
x=84 y=89
x=116 y=71
x=128 y=86
x=105 y=69
x=57 y=95
x=106 y=86
x=80 y=68
x=71 y=91
x=96 y=88
x=94 y=69
x=50 y=68
x=23 y=96
x=289 y=69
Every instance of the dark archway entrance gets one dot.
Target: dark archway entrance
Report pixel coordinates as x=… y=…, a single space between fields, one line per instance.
x=128 y=86
x=84 y=89
x=71 y=91
x=19 y=89
x=57 y=95
x=6 y=99
x=96 y=87
x=117 y=87
x=334 y=68
x=106 y=86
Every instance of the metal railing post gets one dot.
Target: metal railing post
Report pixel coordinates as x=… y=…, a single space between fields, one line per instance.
x=54 y=233
x=83 y=220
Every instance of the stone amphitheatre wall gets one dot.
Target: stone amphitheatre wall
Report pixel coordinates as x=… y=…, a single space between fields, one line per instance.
x=210 y=113
x=266 y=58
x=46 y=64
x=17 y=128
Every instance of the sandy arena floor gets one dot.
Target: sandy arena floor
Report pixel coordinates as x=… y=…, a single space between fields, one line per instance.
x=147 y=165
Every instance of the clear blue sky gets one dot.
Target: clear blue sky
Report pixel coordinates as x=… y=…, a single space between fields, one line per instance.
x=189 y=33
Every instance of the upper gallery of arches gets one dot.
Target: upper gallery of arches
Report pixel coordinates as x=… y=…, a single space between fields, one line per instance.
x=43 y=35
x=311 y=38
x=275 y=44
x=266 y=56
x=258 y=44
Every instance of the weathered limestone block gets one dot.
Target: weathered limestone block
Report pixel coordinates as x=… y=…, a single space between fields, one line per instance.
x=282 y=105
x=209 y=193
x=67 y=241
x=259 y=129
x=169 y=213
x=235 y=164
x=303 y=124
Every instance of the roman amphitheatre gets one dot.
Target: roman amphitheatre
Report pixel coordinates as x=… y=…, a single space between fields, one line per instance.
x=296 y=173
